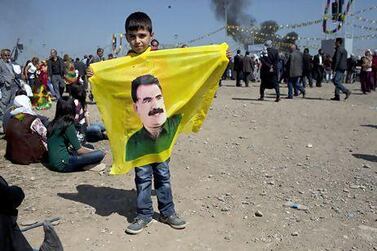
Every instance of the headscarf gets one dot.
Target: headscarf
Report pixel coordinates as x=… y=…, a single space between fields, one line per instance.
x=23 y=105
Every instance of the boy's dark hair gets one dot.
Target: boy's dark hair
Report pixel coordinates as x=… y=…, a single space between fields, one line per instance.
x=238 y=51
x=339 y=40
x=138 y=21
x=143 y=80
x=306 y=50
x=247 y=53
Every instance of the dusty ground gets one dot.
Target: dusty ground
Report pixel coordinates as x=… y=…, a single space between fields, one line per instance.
x=249 y=156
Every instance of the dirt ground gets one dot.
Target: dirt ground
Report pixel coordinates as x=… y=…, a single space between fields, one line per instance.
x=249 y=156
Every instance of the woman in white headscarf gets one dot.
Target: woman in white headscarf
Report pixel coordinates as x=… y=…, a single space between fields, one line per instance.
x=25 y=134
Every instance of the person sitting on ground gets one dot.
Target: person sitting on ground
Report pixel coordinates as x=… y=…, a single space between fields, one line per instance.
x=65 y=151
x=25 y=134
x=11 y=237
x=86 y=132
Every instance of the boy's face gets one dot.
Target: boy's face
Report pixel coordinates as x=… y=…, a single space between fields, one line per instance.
x=150 y=106
x=139 y=40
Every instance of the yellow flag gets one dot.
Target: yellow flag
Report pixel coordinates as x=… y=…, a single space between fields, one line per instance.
x=188 y=78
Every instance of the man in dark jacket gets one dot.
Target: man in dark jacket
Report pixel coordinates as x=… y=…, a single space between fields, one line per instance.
x=318 y=68
x=55 y=67
x=11 y=237
x=269 y=70
x=339 y=65
x=238 y=66
x=295 y=69
x=308 y=67
x=247 y=67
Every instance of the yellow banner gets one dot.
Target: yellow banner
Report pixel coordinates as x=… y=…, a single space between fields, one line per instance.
x=188 y=79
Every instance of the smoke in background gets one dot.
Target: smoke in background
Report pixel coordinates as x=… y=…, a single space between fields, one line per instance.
x=236 y=16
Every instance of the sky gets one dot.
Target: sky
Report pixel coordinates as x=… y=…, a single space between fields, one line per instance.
x=78 y=27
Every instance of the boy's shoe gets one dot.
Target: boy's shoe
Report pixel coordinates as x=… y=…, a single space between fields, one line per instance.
x=174 y=221
x=138 y=226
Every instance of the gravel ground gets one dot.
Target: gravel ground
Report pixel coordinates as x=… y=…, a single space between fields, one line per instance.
x=232 y=181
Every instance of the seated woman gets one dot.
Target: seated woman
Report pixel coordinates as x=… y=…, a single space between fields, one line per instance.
x=87 y=132
x=65 y=151
x=25 y=134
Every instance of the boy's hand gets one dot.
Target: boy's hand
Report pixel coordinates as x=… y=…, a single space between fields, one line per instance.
x=89 y=72
x=229 y=53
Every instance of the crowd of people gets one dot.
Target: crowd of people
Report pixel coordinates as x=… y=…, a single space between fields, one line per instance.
x=300 y=69
x=61 y=144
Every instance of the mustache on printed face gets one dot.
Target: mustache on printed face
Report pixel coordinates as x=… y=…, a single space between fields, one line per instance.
x=155 y=111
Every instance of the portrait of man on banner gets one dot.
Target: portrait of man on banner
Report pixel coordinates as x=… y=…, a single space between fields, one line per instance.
x=158 y=131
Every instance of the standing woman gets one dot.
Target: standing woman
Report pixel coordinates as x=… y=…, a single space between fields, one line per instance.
x=366 y=77
x=31 y=71
x=65 y=153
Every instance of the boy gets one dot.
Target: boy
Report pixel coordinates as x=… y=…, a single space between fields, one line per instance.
x=139 y=35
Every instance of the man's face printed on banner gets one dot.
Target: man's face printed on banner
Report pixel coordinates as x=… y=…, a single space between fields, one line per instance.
x=150 y=106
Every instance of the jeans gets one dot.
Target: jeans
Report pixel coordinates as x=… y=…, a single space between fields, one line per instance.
x=143 y=181
x=294 y=84
x=338 y=78
x=77 y=162
x=95 y=132
x=51 y=88
x=58 y=84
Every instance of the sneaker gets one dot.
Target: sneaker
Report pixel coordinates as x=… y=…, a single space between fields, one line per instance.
x=138 y=226
x=174 y=221
x=277 y=99
x=260 y=99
